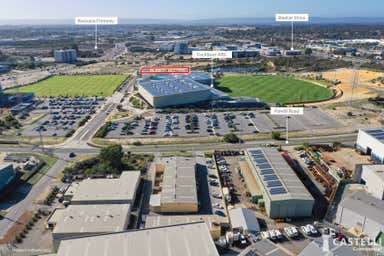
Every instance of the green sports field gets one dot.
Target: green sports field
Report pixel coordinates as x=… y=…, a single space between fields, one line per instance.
x=78 y=85
x=273 y=89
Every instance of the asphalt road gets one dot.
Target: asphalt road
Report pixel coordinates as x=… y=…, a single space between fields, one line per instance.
x=62 y=152
x=15 y=212
x=348 y=139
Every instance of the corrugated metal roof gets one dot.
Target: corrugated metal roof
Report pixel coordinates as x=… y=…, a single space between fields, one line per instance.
x=277 y=178
x=91 y=218
x=188 y=239
x=244 y=218
x=179 y=181
x=123 y=188
x=172 y=86
x=365 y=205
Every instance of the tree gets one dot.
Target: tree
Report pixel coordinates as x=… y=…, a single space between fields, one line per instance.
x=308 y=51
x=231 y=138
x=112 y=156
x=276 y=135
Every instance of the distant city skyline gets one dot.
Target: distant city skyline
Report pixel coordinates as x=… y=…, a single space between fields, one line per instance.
x=191 y=9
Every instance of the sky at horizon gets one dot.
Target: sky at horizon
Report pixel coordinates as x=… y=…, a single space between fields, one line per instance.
x=191 y=9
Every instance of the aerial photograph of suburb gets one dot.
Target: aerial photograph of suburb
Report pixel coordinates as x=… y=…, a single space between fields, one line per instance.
x=192 y=128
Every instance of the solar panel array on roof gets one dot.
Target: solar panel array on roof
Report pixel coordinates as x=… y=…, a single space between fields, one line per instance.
x=266 y=172
x=270 y=179
x=172 y=86
x=278 y=190
x=255 y=152
x=376 y=133
x=274 y=183
x=264 y=166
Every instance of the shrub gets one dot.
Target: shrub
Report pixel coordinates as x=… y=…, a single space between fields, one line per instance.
x=231 y=138
x=276 y=135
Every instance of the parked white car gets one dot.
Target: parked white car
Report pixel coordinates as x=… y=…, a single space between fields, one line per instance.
x=312 y=229
x=265 y=235
x=305 y=230
x=278 y=234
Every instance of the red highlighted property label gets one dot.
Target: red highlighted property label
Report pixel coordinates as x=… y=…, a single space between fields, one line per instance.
x=173 y=70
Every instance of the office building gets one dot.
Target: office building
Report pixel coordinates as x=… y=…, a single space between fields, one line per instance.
x=283 y=193
x=182 y=48
x=65 y=56
x=245 y=53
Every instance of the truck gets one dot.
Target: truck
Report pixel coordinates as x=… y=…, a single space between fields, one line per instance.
x=227 y=195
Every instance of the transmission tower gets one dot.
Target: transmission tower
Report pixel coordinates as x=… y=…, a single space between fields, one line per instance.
x=355 y=83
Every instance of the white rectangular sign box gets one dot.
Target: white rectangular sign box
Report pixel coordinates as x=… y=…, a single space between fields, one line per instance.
x=96 y=20
x=287 y=111
x=212 y=54
x=292 y=17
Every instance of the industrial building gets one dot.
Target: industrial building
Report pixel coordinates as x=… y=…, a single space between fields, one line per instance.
x=175 y=186
x=371 y=142
x=243 y=221
x=373 y=178
x=187 y=239
x=264 y=247
x=12 y=99
x=65 y=56
x=7 y=175
x=250 y=181
x=80 y=220
x=174 y=91
x=360 y=213
x=283 y=194
x=108 y=191
x=211 y=220
x=326 y=246
x=246 y=53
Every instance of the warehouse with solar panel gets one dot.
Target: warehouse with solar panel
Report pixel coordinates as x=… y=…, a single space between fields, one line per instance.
x=371 y=142
x=282 y=193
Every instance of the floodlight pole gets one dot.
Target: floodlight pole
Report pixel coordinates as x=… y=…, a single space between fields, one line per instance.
x=212 y=82
x=286 y=132
x=96 y=36
x=292 y=36
x=41 y=141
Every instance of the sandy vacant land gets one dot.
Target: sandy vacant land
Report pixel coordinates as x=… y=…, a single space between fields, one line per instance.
x=346 y=76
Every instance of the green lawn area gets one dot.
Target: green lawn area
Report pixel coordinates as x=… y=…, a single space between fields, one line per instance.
x=273 y=89
x=77 y=85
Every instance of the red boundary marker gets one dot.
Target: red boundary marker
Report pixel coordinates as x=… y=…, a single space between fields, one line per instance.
x=174 y=70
